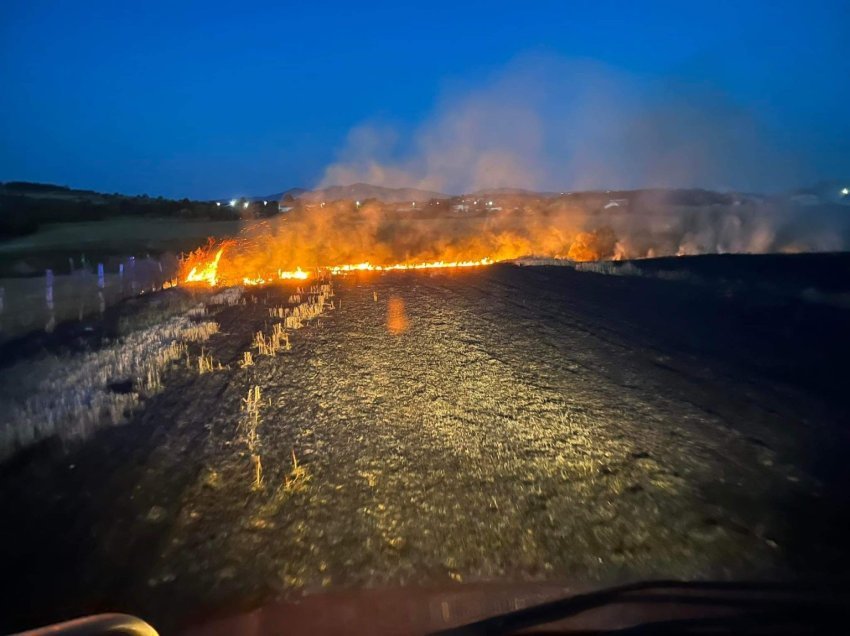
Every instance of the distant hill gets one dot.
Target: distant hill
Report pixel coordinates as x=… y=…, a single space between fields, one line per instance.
x=512 y=192
x=24 y=206
x=278 y=196
x=363 y=191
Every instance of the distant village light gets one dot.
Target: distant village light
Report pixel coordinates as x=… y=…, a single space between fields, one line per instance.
x=245 y=205
x=265 y=202
x=845 y=191
x=232 y=203
x=218 y=203
x=357 y=203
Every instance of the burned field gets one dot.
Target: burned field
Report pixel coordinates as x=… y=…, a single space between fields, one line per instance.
x=441 y=427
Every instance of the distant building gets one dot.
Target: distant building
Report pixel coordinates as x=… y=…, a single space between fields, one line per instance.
x=616 y=203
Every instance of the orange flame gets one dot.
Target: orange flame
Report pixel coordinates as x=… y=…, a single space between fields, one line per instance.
x=205 y=272
x=367 y=267
x=340 y=238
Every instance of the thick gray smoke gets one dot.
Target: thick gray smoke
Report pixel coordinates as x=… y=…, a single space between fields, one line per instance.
x=551 y=124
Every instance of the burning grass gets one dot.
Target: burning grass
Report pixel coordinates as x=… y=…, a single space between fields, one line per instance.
x=203 y=267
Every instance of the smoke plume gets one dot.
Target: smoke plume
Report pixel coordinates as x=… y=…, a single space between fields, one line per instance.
x=540 y=124
x=554 y=124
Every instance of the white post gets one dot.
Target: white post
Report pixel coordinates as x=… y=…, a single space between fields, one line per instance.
x=48 y=297
x=133 y=285
x=48 y=288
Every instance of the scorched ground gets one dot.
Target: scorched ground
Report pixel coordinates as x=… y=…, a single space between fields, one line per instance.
x=505 y=423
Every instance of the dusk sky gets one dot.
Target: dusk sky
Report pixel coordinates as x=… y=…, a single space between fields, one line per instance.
x=213 y=99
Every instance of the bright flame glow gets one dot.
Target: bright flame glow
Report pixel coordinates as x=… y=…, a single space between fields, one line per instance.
x=298 y=274
x=368 y=267
x=341 y=238
x=206 y=273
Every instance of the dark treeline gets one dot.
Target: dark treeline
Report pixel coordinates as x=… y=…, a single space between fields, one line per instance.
x=24 y=207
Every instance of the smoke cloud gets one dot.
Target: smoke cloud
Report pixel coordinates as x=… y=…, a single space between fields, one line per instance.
x=539 y=124
x=547 y=123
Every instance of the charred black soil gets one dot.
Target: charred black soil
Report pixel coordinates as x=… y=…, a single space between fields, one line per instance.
x=506 y=423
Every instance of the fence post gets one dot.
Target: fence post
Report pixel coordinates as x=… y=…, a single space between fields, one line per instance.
x=133 y=285
x=48 y=297
x=48 y=288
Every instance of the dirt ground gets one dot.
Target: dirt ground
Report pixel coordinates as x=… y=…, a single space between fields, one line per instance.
x=502 y=424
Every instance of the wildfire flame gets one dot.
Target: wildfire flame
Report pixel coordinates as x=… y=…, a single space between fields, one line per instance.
x=341 y=237
x=367 y=267
x=203 y=269
x=205 y=272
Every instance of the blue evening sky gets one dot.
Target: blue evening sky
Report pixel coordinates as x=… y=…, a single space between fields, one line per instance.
x=208 y=99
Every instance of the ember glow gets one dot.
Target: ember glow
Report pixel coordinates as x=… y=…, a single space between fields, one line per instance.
x=368 y=267
x=340 y=237
x=205 y=272
x=203 y=269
